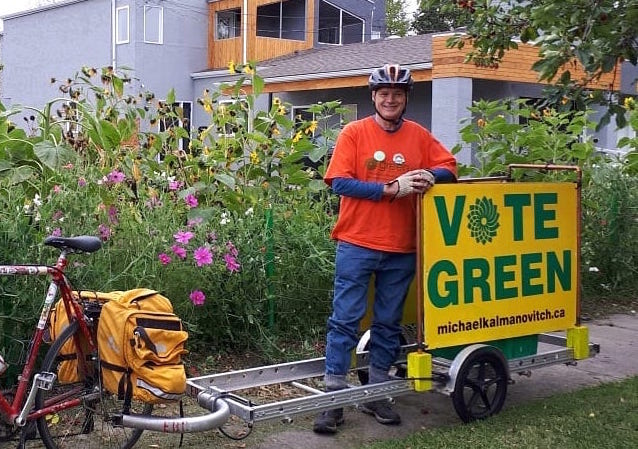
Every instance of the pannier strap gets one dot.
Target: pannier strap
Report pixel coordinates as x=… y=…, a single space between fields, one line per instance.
x=141 y=332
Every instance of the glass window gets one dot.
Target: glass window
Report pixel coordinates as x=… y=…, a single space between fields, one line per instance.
x=122 y=25
x=337 y=26
x=228 y=24
x=153 y=24
x=282 y=20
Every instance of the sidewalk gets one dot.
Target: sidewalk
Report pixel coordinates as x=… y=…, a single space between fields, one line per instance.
x=618 y=340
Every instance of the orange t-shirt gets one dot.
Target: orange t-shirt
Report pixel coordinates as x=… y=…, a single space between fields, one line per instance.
x=366 y=152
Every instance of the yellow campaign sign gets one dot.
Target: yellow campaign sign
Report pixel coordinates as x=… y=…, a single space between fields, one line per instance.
x=499 y=260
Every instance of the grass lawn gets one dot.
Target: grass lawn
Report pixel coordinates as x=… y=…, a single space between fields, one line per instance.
x=603 y=417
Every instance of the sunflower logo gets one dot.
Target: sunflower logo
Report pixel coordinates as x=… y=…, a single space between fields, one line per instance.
x=483 y=220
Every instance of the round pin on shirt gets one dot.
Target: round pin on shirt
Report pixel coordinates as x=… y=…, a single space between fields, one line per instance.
x=379 y=156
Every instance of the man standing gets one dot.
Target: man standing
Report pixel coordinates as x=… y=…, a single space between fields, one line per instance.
x=379 y=164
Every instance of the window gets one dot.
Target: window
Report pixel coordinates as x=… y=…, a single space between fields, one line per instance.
x=153 y=24
x=337 y=26
x=228 y=24
x=182 y=110
x=121 y=25
x=282 y=20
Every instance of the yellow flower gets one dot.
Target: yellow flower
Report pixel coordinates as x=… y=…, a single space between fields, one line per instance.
x=629 y=103
x=254 y=157
x=297 y=137
x=275 y=131
x=564 y=100
x=249 y=70
x=312 y=128
x=480 y=123
x=276 y=101
x=547 y=112
x=282 y=110
x=231 y=67
x=208 y=108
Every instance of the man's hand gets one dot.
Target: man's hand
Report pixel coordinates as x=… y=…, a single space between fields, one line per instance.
x=415 y=181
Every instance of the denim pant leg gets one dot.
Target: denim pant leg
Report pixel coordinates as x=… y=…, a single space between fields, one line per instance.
x=392 y=282
x=353 y=267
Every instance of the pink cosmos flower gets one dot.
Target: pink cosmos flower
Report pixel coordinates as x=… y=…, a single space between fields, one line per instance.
x=104 y=231
x=203 y=256
x=81 y=182
x=113 y=215
x=191 y=200
x=232 y=264
x=194 y=222
x=183 y=237
x=57 y=189
x=57 y=232
x=164 y=258
x=231 y=249
x=179 y=251
x=175 y=185
x=58 y=215
x=115 y=177
x=197 y=297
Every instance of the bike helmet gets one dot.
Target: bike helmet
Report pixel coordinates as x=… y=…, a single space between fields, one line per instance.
x=390 y=75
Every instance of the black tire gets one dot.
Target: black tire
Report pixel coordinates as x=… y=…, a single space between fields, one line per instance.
x=89 y=424
x=400 y=369
x=481 y=385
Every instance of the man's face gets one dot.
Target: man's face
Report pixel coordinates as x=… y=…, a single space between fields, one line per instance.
x=389 y=102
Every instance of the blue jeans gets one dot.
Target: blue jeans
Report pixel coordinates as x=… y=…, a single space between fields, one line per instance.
x=354 y=265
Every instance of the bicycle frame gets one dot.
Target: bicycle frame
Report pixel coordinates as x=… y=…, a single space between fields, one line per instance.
x=18 y=411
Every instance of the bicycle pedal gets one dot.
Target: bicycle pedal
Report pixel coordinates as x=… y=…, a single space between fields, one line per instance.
x=44 y=381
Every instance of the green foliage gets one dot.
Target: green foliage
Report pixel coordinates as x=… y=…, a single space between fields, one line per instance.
x=431 y=17
x=397 y=23
x=597 y=34
x=193 y=224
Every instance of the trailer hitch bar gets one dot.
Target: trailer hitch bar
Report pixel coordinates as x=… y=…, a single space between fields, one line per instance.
x=220 y=412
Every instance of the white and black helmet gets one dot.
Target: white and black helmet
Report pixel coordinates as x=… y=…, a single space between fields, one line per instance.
x=390 y=75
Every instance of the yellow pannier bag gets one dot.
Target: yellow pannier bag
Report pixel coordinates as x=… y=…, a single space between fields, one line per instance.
x=140 y=344
x=67 y=367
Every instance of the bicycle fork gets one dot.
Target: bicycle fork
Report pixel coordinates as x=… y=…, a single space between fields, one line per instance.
x=41 y=381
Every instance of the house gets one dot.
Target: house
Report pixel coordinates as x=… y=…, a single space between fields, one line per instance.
x=445 y=86
x=306 y=50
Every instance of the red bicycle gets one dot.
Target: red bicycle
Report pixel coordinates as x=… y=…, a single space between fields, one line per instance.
x=74 y=415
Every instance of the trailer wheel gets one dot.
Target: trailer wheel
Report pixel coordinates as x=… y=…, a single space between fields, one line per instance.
x=481 y=385
x=364 y=345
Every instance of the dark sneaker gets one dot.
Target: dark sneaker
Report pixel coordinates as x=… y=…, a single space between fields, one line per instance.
x=382 y=412
x=328 y=420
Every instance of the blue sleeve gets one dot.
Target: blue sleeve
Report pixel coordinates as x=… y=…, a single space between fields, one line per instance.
x=442 y=175
x=357 y=189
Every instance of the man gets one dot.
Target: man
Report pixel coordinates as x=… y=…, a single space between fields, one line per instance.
x=379 y=165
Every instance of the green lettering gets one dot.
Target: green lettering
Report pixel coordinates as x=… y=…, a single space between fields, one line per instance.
x=528 y=274
x=555 y=271
x=517 y=201
x=450 y=228
x=475 y=273
x=501 y=276
x=541 y=215
x=451 y=286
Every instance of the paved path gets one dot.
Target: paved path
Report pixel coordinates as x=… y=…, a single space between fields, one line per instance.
x=618 y=359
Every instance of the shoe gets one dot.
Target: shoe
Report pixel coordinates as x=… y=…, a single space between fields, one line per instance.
x=382 y=412
x=327 y=421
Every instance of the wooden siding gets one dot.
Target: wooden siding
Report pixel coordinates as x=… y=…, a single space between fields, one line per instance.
x=222 y=51
x=516 y=66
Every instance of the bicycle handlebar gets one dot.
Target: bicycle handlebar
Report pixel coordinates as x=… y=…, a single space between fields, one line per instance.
x=220 y=412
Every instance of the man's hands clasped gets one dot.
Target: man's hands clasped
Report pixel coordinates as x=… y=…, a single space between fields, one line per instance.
x=415 y=181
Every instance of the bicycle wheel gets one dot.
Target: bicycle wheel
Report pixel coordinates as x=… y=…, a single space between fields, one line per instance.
x=89 y=424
